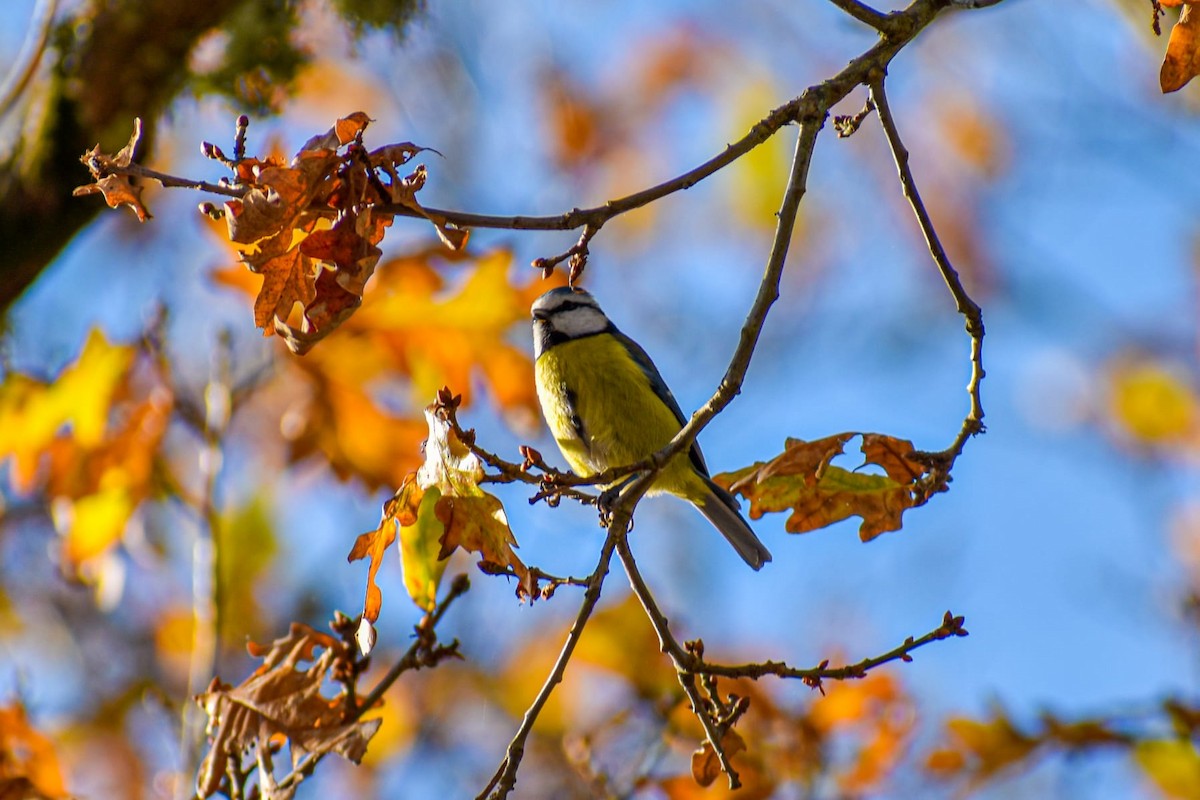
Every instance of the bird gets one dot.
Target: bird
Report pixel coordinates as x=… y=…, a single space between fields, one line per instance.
x=607 y=406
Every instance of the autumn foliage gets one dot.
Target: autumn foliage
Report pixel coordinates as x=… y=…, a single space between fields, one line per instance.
x=399 y=372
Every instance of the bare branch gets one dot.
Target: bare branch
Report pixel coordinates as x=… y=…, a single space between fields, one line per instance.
x=683 y=661
x=863 y=13
x=506 y=774
x=973 y=423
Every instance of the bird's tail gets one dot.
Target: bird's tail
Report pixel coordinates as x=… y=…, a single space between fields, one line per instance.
x=722 y=511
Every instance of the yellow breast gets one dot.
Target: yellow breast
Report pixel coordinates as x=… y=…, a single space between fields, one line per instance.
x=604 y=413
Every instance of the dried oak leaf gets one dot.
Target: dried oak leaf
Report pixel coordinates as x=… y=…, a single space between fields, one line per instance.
x=117 y=189
x=281 y=699
x=344 y=131
x=1182 y=60
x=802 y=480
x=401 y=510
x=439 y=508
x=706 y=767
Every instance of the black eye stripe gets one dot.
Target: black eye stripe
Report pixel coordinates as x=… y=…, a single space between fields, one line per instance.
x=570 y=305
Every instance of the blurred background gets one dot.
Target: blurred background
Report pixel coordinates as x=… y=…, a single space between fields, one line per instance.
x=1057 y=174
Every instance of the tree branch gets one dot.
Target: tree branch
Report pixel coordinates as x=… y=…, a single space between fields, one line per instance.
x=683 y=661
x=32 y=48
x=973 y=423
x=505 y=778
x=863 y=13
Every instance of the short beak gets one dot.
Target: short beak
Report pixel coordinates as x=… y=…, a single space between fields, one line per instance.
x=539 y=315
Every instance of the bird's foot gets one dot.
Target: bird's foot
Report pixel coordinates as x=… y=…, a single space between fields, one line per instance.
x=606 y=502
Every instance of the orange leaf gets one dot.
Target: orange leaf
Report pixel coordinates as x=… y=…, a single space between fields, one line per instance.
x=29 y=768
x=803 y=480
x=479 y=525
x=1182 y=61
x=980 y=748
x=400 y=510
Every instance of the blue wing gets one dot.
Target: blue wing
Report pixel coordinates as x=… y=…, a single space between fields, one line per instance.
x=661 y=390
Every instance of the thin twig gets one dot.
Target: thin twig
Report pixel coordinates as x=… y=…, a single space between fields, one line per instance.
x=413 y=658
x=768 y=293
x=505 y=778
x=863 y=13
x=683 y=661
x=952 y=625
x=138 y=171
x=973 y=423
x=25 y=65
x=207 y=591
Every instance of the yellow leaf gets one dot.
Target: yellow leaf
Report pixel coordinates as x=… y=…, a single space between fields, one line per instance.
x=33 y=413
x=420 y=546
x=93 y=523
x=1172 y=764
x=759 y=177
x=1152 y=403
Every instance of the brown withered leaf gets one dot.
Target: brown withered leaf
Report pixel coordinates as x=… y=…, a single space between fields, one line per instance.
x=282 y=699
x=117 y=189
x=289 y=277
x=802 y=480
x=350 y=248
x=279 y=196
x=478 y=524
x=706 y=767
x=400 y=510
x=343 y=132
x=1182 y=60
x=281 y=227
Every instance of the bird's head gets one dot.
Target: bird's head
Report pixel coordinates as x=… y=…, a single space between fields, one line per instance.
x=563 y=314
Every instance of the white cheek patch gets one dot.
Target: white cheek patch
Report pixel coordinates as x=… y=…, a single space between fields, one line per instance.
x=582 y=321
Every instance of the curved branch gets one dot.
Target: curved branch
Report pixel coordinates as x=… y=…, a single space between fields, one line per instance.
x=973 y=423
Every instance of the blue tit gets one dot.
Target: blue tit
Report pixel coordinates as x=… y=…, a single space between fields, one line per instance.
x=608 y=406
